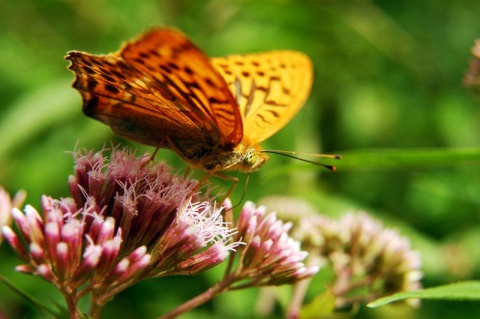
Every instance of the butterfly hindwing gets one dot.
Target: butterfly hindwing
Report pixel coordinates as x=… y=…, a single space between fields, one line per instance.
x=269 y=88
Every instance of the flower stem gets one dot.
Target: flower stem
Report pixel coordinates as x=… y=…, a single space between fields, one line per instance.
x=299 y=292
x=208 y=295
x=71 y=305
x=95 y=310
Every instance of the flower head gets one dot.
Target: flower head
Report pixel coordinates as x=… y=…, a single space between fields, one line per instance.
x=127 y=220
x=6 y=206
x=369 y=260
x=66 y=246
x=270 y=256
x=154 y=207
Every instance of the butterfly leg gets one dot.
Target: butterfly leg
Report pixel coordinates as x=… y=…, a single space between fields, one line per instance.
x=150 y=158
x=166 y=141
x=187 y=172
x=199 y=184
x=154 y=153
x=234 y=185
x=224 y=177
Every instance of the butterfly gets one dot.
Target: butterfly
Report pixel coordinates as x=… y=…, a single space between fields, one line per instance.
x=161 y=90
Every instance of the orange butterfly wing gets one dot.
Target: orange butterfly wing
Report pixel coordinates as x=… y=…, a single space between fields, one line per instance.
x=269 y=88
x=160 y=90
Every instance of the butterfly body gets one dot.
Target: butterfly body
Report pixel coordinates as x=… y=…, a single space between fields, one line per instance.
x=244 y=159
x=161 y=90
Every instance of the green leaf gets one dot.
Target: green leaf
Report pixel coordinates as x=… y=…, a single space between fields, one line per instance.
x=408 y=158
x=467 y=290
x=381 y=159
x=322 y=305
x=60 y=312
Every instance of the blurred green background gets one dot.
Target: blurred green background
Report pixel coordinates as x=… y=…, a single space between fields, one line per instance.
x=388 y=96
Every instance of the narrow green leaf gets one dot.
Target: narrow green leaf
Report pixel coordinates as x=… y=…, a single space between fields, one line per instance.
x=467 y=290
x=409 y=158
x=59 y=313
x=381 y=159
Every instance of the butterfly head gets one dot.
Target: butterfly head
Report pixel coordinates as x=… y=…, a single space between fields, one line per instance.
x=252 y=160
x=247 y=159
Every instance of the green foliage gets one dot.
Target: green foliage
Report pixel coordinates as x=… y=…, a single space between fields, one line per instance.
x=322 y=305
x=59 y=312
x=388 y=96
x=466 y=290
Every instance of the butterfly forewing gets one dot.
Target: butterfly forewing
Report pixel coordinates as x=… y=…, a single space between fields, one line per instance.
x=115 y=94
x=178 y=66
x=160 y=90
x=269 y=88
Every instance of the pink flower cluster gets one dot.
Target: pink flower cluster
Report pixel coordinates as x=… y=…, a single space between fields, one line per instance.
x=270 y=256
x=127 y=220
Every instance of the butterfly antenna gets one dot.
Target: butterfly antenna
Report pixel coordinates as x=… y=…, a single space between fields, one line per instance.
x=292 y=154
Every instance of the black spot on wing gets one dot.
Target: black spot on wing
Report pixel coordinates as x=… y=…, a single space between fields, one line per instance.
x=108 y=78
x=193 y=85
x=173 y=66
x=165 y=68
x=261 y=117
x=91 y=83
x=88 y=70
x=273 y=103
x=274 y=113
x=126 y=86
x=112 y=89
x=89 y=105
x=118 y=75
x=209 y=82
x=214 y=100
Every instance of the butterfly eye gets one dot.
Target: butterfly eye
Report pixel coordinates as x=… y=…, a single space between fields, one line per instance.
x=250 y=158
